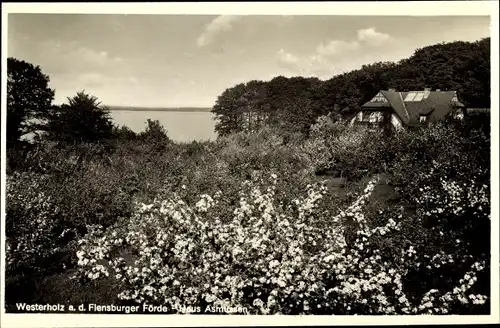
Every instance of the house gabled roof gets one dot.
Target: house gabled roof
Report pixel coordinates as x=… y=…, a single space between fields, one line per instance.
x=410 y=105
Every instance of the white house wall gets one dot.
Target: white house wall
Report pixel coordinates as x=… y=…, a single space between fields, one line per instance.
x=396 y=122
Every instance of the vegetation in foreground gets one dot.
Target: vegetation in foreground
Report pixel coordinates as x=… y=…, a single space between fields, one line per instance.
x=255 y=218
x=246 y=221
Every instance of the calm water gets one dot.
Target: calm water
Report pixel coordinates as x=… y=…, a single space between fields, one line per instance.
x=180 y=126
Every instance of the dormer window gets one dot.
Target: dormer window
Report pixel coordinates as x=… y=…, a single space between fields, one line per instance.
x=423 y=118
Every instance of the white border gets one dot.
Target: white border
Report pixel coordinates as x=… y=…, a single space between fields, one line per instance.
x=436 y=8
x=366 y=8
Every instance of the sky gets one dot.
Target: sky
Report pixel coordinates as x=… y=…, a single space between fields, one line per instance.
x=188 y=60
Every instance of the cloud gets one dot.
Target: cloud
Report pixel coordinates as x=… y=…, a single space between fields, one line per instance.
x=116 y=23
x=133 y=80
x=319 y=63
x=336 y=47
x=92 y=56
x=217 y=26
x=313 y=65
x=92 y=79
x=372 y=37
x=71 y=57
x=328 y=56
x=286 y=57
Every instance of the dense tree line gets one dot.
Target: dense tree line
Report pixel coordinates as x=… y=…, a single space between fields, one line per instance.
x=295 y=103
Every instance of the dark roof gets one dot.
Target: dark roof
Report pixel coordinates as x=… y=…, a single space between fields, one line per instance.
x=396 y=101
x=435 y=106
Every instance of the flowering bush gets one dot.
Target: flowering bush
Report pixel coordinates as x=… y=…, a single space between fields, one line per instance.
x=270 y=257
x=33 y=235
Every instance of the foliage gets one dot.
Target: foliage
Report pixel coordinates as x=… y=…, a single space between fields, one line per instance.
x=227 y=109
x=29 y=99
x=262 y=150
x=281 y=102
x=73 y=189
x=155 y=134
x=349 y=151
x=461 y=66
x=51 y=204
x=31 y=230
x=124 y=133
x=83 y=119
x=411 y=152
x=269 y=258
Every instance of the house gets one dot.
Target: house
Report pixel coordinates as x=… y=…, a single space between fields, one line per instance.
x=390 y=109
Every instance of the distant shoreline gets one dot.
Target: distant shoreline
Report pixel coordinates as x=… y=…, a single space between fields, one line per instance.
x=160 y=109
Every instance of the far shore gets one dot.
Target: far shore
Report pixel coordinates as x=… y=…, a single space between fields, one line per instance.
x=160 y=109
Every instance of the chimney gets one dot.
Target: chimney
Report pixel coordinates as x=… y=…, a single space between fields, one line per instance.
x=392 y=89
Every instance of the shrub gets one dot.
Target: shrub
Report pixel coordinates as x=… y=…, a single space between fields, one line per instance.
x=34 y=235
x=351 y=151
x=124 y=133
x=49 y=206
x=271 y=258
x=264 y=150
x=155 y=134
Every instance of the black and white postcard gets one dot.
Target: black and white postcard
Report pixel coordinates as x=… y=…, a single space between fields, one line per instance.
x=249 y=163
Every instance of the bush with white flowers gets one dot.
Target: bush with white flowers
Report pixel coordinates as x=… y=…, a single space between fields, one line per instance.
x=267 y=257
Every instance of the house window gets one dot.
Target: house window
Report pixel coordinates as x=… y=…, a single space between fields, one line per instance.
x=415 y=96
x=419 y=96
x=459 y=114
x=376 y=117
x=423 y=118
x=410 y=96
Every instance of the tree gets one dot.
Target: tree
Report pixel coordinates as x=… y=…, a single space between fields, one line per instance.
x=255 y=109
x=461 y=66
x=155 y=134
x=29 y=99
x=228 y=110
x=83 y=119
